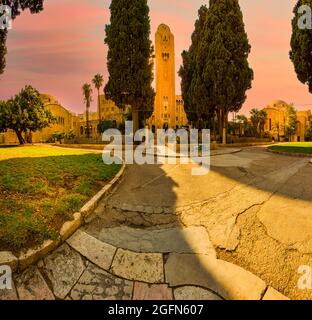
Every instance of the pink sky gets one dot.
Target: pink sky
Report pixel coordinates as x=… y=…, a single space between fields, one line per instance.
x=60 y=49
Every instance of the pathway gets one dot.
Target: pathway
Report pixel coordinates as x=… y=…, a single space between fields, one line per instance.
x=166 y=234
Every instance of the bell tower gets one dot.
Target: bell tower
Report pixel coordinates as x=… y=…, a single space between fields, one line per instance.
x=165 y=101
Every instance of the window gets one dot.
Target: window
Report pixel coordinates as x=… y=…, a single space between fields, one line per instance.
x=270 y=121
x=165 y=56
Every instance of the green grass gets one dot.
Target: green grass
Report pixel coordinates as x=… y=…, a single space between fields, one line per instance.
x=295 y=147
x=41 y=187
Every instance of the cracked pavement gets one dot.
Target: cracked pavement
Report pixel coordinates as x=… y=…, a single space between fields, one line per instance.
x=256 y=207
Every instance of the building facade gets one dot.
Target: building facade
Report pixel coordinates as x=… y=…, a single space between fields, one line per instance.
x=66 y=122
x=169 y=108
x=277 y=122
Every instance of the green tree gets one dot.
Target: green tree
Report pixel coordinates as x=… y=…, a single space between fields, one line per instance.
x=255 y=120
x=263 y=116
x=17 y=6
x=308 y=133
x=194 y=92
x=223 y=60
x=105 y=125
x=130 y=54
x=87 y=95
x=243 y=122
x=291 y=121
x=98 y=81
x=301 y=47
x=25 y=113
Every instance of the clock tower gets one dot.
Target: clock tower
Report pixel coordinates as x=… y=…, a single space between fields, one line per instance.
x=165 y=101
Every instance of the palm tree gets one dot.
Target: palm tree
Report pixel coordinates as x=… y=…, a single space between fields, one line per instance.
x=87 y=93
x=255 y=120
x=98 y=82
x=262 y=120
x=243 y=123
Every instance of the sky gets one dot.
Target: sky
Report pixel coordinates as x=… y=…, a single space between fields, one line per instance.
x=60 y=49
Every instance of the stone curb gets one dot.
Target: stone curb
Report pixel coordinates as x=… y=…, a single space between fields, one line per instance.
x=179 y=156
x=290 y=154
x=32 y=255
x=238 y=283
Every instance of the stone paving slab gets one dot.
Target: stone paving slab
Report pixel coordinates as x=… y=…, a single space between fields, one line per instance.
x=229 y=281
x=272 y=294
x=99 y=253
x=7 y=258
x=97 y=284
x=9 y=294
x=145 y=267
x=31 y=285
x=63 y=268
x=179 y=240
x=194 y=293
x=144 y=291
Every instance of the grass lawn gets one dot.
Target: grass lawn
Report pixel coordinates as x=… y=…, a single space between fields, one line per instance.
x=41 y=187
x=295 y=147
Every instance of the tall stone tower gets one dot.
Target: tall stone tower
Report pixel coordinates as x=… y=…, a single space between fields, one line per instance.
x=165 y=101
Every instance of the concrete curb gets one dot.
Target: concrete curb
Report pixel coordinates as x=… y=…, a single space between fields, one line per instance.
x=33 y=255
x=290 y=154
x=213 y=153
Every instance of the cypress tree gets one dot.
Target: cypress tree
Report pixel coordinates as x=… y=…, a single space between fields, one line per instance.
x=17 y=6
x=194 y=109
x=220 y=72
x=130 y=56
x=224 y=59
x=301 y=45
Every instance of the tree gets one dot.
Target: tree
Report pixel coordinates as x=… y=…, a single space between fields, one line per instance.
x=255 y=120
x=223 y=60
x=291 y=121
x=25 y=113
x=194 y=93
x=263 y=116
x=308 y=133
x=98 y=83
x=105 y=125
x=130 y=58
x=59 y=136
x=87 y=94
x=301 y=47
x=17 y=6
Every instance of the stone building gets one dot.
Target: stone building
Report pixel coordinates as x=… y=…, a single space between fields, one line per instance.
x=66 y=122
x=169 y=109
x=276 y=121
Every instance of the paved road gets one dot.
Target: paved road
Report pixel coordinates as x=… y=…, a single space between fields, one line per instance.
x=256 y=207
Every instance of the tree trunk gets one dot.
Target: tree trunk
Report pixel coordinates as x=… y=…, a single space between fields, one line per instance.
x=135 y=119
x=20 y=137
x=99 y=107
x=87 y=115
x=223 y=124
x=220 y=120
